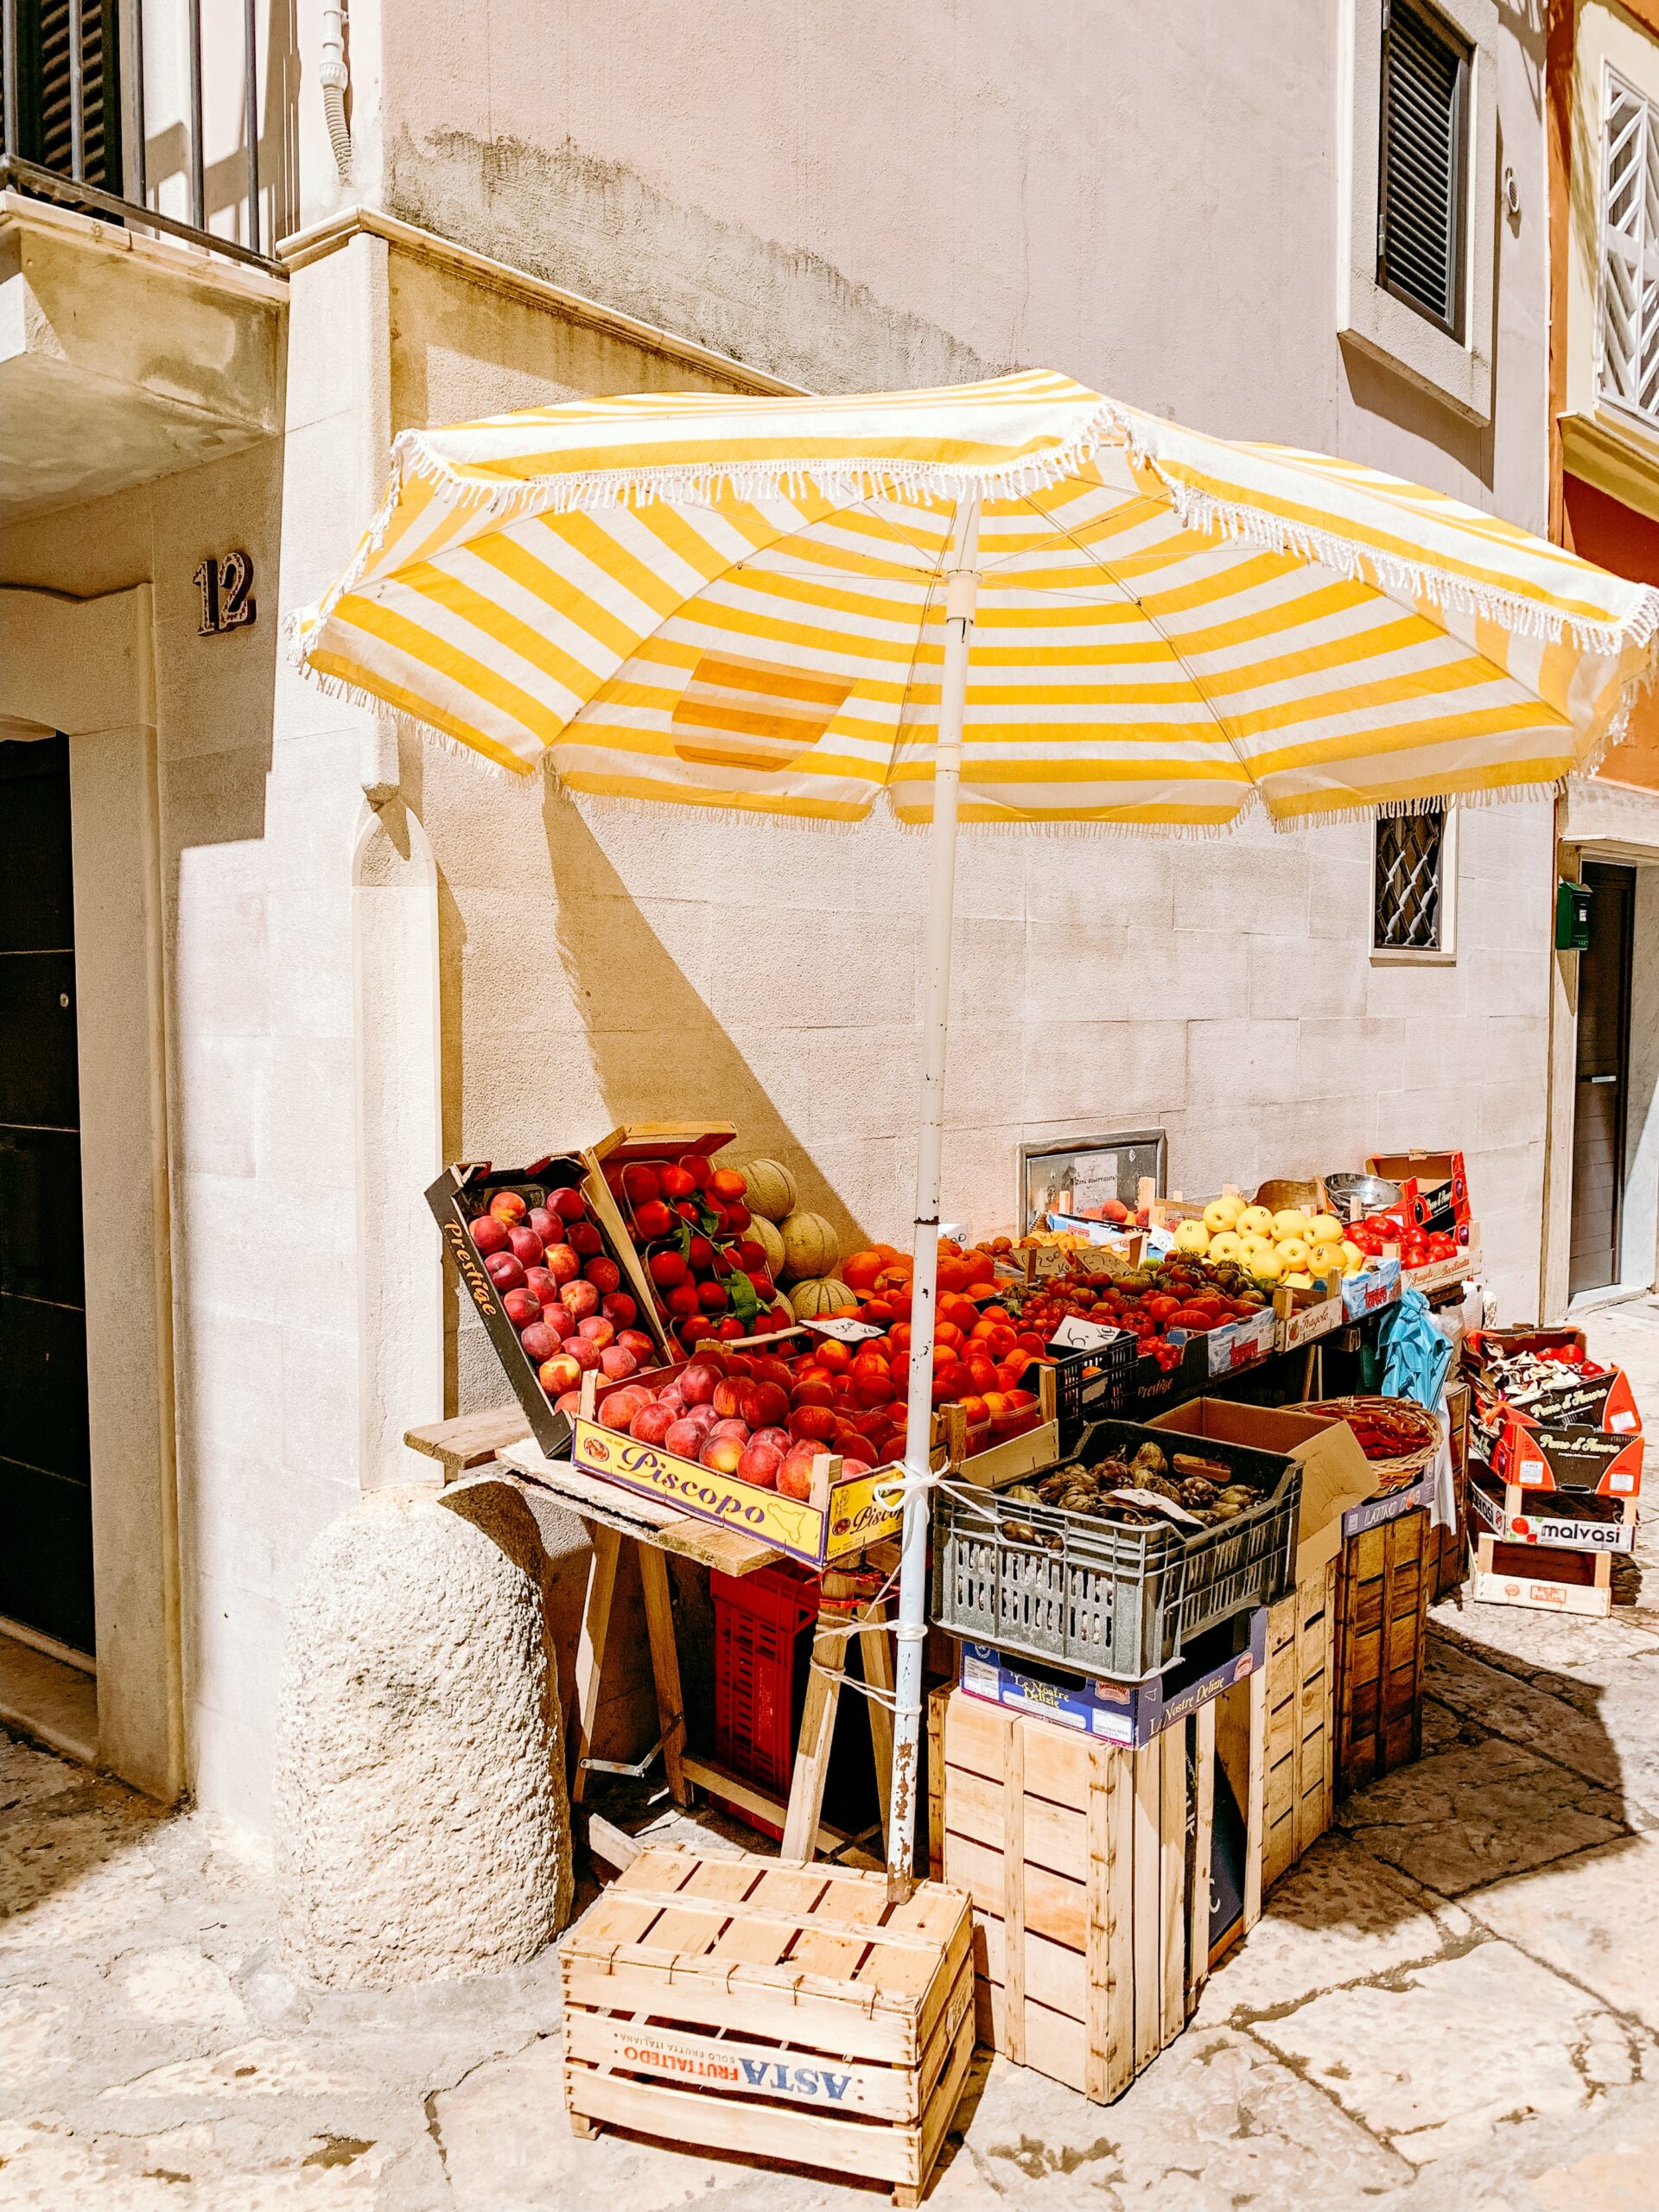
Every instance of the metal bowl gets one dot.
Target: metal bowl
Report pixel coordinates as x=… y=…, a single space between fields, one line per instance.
x=1370 y=1193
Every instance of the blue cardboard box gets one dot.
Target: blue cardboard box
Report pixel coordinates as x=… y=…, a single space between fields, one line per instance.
x=1130 y=1713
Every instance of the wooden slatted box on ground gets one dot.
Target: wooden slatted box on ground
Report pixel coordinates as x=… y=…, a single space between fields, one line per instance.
x=1382 y=1596
x=1301 y=1676
x=787 y=2013
x=1089 y=1866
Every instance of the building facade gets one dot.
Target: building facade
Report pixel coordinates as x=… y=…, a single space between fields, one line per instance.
x=314 y=956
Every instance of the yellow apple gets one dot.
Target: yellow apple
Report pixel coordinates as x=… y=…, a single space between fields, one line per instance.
x=1192 y=1237
x=1249 y=1243
x=1291 y=1222
x=1255 y=1221
x=1352 y=1258
x=1324 y=1229
x=1297 y=1282
x=1223 y=1214
x=1266 y=1265
x=1293 y=1251
x=1226 y=1246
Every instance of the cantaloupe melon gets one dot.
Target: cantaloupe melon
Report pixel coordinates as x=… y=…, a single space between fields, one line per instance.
x=811 y=1245
x=772 y=1189
x=821 y=1294
x=765 y=1235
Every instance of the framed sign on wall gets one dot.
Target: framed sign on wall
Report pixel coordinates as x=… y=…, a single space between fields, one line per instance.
x=1074 y=1174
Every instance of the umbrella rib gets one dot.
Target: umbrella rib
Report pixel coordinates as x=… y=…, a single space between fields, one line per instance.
x=1111 y=574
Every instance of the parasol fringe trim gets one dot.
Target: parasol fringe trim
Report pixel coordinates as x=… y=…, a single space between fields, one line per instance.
x=1516 y=612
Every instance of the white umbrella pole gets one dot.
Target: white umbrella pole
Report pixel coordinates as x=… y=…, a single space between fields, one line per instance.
x=962 y=591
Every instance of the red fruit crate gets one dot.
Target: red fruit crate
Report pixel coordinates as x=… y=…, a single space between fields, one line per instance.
x=763 y=1647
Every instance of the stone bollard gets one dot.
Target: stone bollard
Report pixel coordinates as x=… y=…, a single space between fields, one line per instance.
x=423 y=1824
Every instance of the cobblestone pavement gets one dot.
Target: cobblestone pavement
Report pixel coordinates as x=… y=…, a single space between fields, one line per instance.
x=1453 y=2002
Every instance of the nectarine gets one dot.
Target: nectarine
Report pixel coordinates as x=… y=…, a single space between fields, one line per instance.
x=585 y=1238
x=569 y=1203
x=562 y=1372
x=503 y=1271
x=605 y=1275
x=508 y=1208
x=722 y=1454
x=489 y=1235
x=526 y=1247
x=564 y=1264
x=652 y=1422
x=579 y=1298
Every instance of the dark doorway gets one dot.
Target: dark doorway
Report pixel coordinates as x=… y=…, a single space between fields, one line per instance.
x=46 y=1517
x=1603 y=1078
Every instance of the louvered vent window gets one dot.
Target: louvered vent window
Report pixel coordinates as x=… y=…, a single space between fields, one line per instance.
x=1425 y=132
x=68 y=120
x=1630 y=250
x=1407 y=889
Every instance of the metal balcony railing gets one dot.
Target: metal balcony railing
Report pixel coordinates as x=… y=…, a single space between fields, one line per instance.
x=73 y=114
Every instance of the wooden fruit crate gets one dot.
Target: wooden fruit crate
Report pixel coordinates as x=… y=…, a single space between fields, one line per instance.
x=1301 y=1748
x=1545 y=1581
x=1089 y=1866
x=1382 y=1593
x=785 y=2013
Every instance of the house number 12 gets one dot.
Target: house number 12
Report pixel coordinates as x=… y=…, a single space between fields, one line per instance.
x=227 y=599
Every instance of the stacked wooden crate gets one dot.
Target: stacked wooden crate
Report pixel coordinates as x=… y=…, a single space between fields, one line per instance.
x=1089 y=1866
x=782 y=2012
x=1300 y=1758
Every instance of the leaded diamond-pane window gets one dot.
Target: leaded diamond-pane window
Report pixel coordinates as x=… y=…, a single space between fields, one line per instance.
x=1407 y=891
x=1629 y=330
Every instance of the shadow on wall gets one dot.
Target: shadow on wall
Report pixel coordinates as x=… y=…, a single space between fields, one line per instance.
x=679 y=1062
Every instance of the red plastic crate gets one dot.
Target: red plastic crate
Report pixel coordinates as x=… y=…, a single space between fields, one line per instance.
x=762 y=1644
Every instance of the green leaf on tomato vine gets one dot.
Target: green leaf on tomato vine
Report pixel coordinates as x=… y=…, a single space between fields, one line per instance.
x=745 y=1302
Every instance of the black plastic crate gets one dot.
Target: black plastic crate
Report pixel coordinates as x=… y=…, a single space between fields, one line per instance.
x=1093 y=1385
x=1115 y=1603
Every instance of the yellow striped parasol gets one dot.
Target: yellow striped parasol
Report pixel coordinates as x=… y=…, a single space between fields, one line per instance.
x=740 y=602
x=769 y=603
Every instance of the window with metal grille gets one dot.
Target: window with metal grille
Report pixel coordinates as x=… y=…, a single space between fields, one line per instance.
x=1628 y=336
x=68 y=117
x=1421 y=206
x=1407 y=891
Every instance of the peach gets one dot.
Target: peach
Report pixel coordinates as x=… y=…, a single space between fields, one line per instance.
x=763 y=1405
x=562 y=1372
x=727 y=1399
x=489 y=1235
x=652 y=1422
x=562 y=1263
x=683 y=1438
x=760 y=1464
x=731 y=1427
x=670 y=1396
x=605 y=1275
x=583 y=1350
x=618 y=1308
x=526 y=1247
x=508 y=1208
x=633 y=1340
x=539 y=1342
x=812 y=1424
x=539 y=1281
x=597 y=1330
x=521 y=1308
x=727 y=1183
x=547 y=1226
x=722 y=1454
x=568 y=1204
x=503 y=1271
x=579 y=1298
x=850 y=1466
x=568 y=1402
x=619 y=1407
x=558 y=1317
x=698 y=1382
x=780 y=1438
x=585 y=1238
x=794 y=1471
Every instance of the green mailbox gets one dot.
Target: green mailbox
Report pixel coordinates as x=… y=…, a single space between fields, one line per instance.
x=1573 y=917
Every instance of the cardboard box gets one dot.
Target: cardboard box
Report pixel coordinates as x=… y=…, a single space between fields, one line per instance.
x=1121 y=1713
x=1337 y=1477
x=1596 y=1524
x=840 y=1518
x=1568 y=1457
x=1372 y=1289
x=1433 y=1184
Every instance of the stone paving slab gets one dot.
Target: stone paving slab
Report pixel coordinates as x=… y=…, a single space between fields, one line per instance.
x=1592 y=1919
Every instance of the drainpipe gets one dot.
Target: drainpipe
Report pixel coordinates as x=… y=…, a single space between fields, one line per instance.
x=334 y=76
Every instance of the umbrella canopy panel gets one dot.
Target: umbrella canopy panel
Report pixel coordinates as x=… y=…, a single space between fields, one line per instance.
x=741 y=604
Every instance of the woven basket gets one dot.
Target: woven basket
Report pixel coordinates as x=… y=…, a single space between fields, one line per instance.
x=1391 y=1474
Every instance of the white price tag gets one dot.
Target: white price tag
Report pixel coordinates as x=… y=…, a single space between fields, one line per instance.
x=1159 y=1243
x=848 y=1332
x=1075 y=1334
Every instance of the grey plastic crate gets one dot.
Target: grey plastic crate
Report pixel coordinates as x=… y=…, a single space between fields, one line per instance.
x=1119 y=1604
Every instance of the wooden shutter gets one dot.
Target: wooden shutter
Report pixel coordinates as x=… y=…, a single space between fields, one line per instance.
x=1424 y=137
x=1629 y=329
